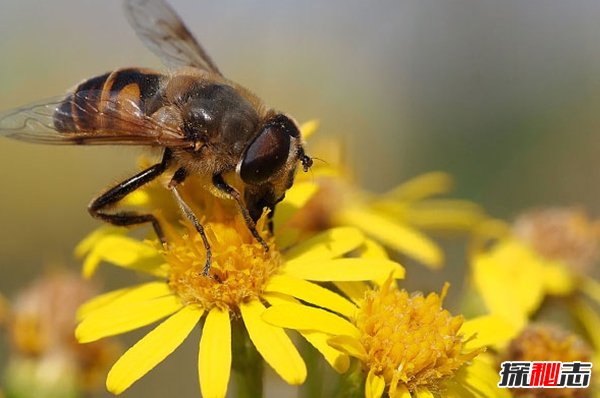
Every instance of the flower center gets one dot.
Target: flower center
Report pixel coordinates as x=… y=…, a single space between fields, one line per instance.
x=561 y=234
x=544 y=343
x=318 y=213
x=411 y=339
x=240 y=266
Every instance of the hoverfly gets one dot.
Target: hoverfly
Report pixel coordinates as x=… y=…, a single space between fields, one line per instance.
x=206 y=125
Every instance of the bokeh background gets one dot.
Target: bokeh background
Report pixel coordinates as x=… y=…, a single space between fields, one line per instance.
x=504 y=95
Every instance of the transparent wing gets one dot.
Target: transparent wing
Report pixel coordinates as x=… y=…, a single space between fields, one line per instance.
x=86 y=118
x=163 y=32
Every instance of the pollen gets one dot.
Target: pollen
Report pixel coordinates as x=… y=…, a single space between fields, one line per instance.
x=240 y=266
x=411 y=339
x=564 y=234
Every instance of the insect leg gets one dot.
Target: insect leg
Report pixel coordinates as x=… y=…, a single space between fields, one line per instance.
x=178 y=177
x=221 y=185
x=118 y=192
x=270 y=216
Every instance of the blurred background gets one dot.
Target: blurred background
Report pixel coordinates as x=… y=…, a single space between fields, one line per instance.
x=504 y=95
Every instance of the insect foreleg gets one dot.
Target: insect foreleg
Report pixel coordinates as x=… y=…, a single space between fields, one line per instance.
x=221 y=185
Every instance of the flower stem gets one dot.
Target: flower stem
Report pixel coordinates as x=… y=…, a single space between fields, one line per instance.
x=313 y=386
x=247 y=364
x=352 y=383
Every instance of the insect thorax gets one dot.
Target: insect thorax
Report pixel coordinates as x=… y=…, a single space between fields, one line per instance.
x=213 y=112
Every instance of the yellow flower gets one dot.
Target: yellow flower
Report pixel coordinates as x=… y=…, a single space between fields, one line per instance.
x=45 y=358
x=540 y=342
x=543 y=255
x=244 y=278
x=563 y=234
x=408 y=344
x=397 y=218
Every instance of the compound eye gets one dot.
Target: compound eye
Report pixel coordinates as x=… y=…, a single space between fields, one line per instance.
x=266 y=155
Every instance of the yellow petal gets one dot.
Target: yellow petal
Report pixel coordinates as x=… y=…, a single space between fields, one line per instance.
x=455 y=390
x=125 y=252
x=590 y=320
x=402 y=392
x=278 y=298
x=310 y=293
x=152 y=349
x=374 y=385
x=481 y=378
x=140 y=293
x=295 y=198
x=343 y=269
x=423 y=392
x=355 y=291
x=423 y=186
x=350 y=346
x=273 y=344
x=591 y=288
x=338 y=360
x=372 y=249
x=214 y=359
x=509 y=264
x=308 y=128
x=302 y=317
x=485 y=233
x=115 y=319
x=86 y=245
x=437 y=214
x=490 y=330
x=99 y=301
x=557 y=279
x=400 y=237
x=327 y=245
x=90 y=264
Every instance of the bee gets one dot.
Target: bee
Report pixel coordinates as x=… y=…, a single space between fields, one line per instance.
x=205 y=124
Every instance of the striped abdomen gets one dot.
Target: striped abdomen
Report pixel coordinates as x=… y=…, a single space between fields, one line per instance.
x=109 y=101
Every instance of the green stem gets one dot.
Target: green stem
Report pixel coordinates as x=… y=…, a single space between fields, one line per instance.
x=314 y=384
x=352 y=383
x=247 y=363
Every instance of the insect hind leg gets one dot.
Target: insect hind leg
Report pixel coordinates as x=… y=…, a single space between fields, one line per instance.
x=126 y=218
x=100 y=204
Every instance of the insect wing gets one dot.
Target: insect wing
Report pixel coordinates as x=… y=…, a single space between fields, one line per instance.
x=163 y=32
x=85 y=118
